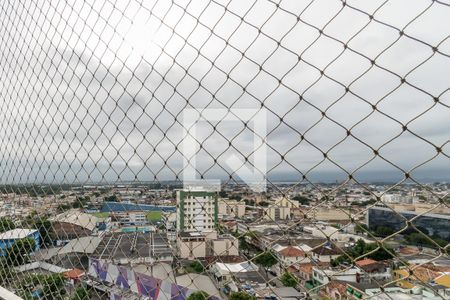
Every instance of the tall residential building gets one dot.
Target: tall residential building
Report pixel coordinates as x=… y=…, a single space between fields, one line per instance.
x=197 y=211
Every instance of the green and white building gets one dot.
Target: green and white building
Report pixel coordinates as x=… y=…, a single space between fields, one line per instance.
x=197 y=211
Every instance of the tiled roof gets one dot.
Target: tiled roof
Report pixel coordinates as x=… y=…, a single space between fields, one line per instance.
x=365 y=262
x=292 y=252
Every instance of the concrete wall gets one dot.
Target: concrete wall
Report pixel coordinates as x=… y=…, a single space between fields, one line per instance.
x=191 y=249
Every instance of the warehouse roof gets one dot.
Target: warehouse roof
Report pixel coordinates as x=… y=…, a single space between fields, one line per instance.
x=225 y=269
x=86 y=244
x=77 y=218
x=18 y=233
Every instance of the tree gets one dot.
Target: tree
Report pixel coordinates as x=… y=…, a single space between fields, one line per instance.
x=18 y=253
x=196 y=267
x=411 y=230
x=302 y=199
x=81 y=202
x=112 y=198
x=63 y=207
x=248 y=240
x=416 y=238
x=266 y=259
x=241 y=296
x=42 y=224
x=383 y=231
x=200 y=295
x=361 y=228
x=359 y=250
x=45 y=229
x=243 y=245
x=289 y=280
x=7 y=274
x=380 y=254
x=6 y=224
x=53 y=287
x=81 y=293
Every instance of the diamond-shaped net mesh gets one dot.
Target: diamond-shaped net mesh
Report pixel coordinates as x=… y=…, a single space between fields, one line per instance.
x=253 y=149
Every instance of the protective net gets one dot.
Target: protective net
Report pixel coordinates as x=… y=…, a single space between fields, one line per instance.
x=241 y=149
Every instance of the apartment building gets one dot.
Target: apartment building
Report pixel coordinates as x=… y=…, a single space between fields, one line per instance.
x=197 y=211
x=232 y=208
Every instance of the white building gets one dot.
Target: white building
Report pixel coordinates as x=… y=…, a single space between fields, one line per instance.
x=291 y=255
x=231 y=208
x=192 y=245
x=130 y=217
x=275 y=213
x=197 y=211
x=223 y=245
x=323 y=276
x=224 y=272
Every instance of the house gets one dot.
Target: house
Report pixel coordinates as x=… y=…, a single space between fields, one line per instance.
x=373 y=270
x=291 y=255
x=417 y=275
x=372 y=290
x=334 y=289
x=304 y=272
x=8 y=238
x=230 y=225
x=322 y=276
x=326 y=253
x=244 y=276
x=414 y=275
x=223 y=245
x=225 y=272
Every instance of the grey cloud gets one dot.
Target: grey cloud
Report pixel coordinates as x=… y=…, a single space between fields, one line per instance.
x=102 y=105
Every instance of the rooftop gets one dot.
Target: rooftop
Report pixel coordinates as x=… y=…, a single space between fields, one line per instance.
x=365 y=262
x=198 y=282
x=327 y=250
x=236 y=267
x=86 y=244
x=40 y=265
x=74 y=273
x=76 y=217
x=135 y=245
x=292 y=252
x=18 y=233
x=252 y=277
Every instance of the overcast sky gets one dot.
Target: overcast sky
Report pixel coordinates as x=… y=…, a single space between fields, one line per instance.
x=95 y=91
